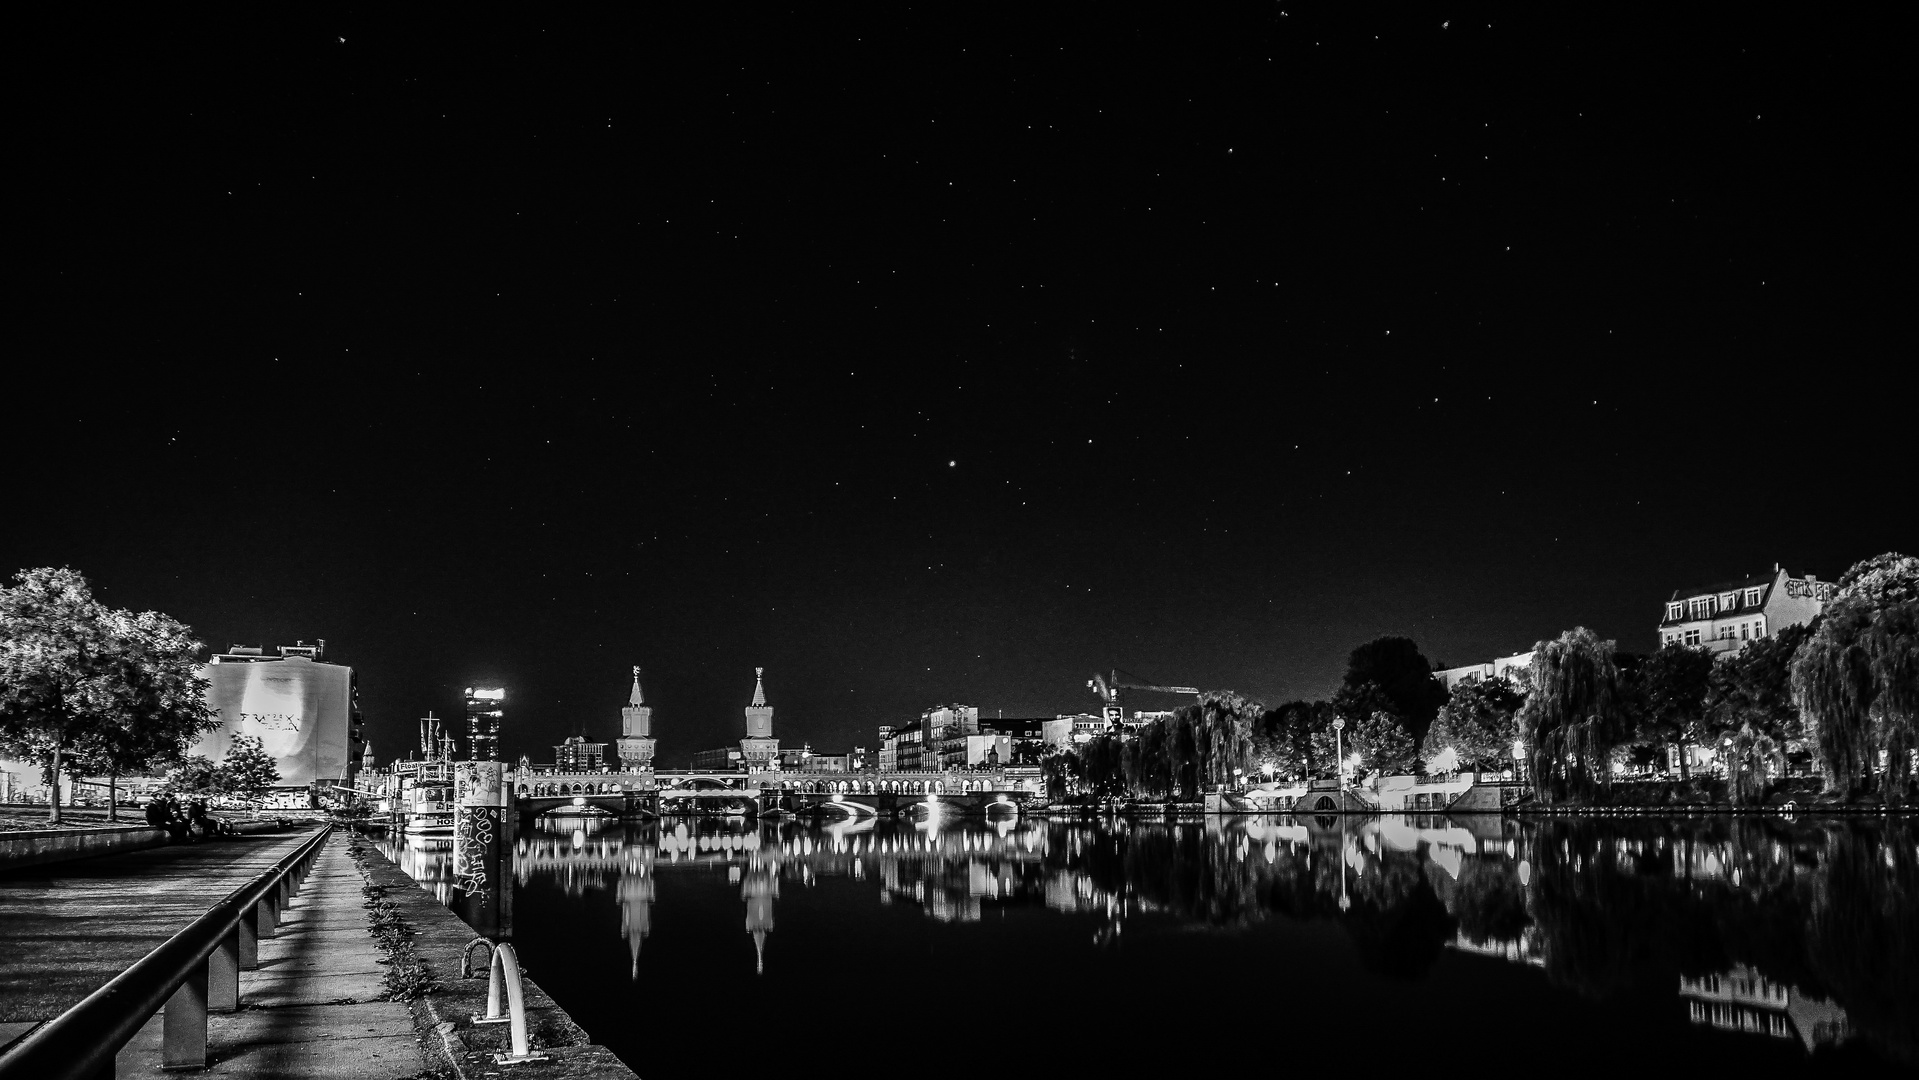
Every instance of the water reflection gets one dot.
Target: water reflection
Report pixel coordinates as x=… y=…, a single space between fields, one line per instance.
x=1799 y=933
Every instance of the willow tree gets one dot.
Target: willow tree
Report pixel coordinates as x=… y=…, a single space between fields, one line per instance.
x=1225 y=725
x=1856 y=679
x=1574 y=716
x=81 y=683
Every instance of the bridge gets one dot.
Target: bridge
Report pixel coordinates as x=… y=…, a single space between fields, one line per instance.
x=844 y=795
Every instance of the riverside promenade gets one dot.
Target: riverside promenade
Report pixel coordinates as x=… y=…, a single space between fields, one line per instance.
x=329 y=999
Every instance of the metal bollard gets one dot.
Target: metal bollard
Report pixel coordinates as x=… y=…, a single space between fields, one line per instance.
x=185 y=1024
x=505 y=969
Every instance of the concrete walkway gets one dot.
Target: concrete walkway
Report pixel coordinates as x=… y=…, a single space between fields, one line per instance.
x=67 y=928
x=312 y=1010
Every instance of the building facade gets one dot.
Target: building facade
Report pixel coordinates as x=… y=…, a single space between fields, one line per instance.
x=1724 y=617
x=1517 y=667
x=578 y=755
x=484 y=709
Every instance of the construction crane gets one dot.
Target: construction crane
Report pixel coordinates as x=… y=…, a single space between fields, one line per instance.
x=1108 y=688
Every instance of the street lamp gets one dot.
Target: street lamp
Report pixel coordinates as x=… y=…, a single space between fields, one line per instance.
x=1339 y=749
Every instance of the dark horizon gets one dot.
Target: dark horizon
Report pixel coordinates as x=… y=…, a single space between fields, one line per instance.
x=924 y=358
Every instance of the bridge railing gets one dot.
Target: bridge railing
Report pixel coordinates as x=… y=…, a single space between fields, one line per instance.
x=192 y=973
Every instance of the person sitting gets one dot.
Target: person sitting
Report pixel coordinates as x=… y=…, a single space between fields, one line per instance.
x=157 y=813
x=177 y=825
x=197 y=817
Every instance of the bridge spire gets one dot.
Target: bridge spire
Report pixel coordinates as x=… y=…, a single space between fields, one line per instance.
x=759 y=750
x=635 y=745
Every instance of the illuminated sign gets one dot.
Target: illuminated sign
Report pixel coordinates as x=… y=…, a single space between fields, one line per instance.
x=498 y=694
x=299 y=710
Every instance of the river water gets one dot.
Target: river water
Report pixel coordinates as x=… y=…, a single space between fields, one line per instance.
x=1115 y=948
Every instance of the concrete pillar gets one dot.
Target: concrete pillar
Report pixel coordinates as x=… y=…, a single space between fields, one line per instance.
x=185 y=1024
x=223 y=974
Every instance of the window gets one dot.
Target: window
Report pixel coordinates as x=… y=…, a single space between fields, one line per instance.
x=1745 y=631
x=1692 y=637
x=1675 y=610
x=1752 y=597
x=1701 y=606
x=1728 y=600
x=1759 y=628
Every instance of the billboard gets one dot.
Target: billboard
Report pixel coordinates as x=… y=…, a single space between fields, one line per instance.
x=299 y=710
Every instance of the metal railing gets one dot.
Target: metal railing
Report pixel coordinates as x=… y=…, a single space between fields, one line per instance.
x=191 y=974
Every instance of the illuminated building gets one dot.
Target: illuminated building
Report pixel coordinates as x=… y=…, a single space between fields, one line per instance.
x=1514 y=667
x=304 y=710
x=1723 y=617
x=484 y=707
x=636 y=731
x=578 y=755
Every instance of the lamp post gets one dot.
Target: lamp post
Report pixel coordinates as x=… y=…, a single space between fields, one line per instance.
x=1339 y=750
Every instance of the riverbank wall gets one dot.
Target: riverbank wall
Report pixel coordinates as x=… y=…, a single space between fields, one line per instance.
x=445 y=1008
x=33 y=847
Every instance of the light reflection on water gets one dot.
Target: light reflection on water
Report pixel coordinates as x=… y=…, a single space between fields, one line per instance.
x=1786 y=944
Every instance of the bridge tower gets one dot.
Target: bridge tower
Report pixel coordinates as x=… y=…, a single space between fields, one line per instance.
x=636 y=731
x=759 y=749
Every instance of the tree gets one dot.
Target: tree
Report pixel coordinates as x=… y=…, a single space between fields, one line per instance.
x=248 y=771
x=80 y=680
x=159 y=707
x=1397 y=667
x=1384 y=746
x=1574 y=716
x=1478 y=724
x=1286 y=737
x=1856 y=677
x=1225 y=728
x=1753 y=688
x=1369 y=712
x=1669 y=694
x=195 y=776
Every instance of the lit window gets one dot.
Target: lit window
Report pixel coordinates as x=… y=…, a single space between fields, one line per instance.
x=1674 y=611
x=1701 y=607
x=1727 y=601
x=1752 y=597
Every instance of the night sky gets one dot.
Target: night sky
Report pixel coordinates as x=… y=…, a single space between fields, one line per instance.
x=930 y=355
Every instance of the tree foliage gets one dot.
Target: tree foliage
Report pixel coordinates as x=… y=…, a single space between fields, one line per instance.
x=1753 y=687
x=1574 y=716
x=1856 y=678
x=248 y=770
x=1478 y=724
x=1666 y=694
x=89 y=687
x=1402 y=673
x=1207 y=743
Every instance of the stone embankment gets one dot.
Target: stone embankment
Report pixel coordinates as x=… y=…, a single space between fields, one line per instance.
x=425 y=943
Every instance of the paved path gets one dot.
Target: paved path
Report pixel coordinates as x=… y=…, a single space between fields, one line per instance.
x=67 y=928
x=312 y=1010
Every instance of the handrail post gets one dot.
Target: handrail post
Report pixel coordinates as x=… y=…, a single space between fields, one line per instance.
x=250 y=938
x=185 y=1024
x=223 y=974
x=269 y=916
